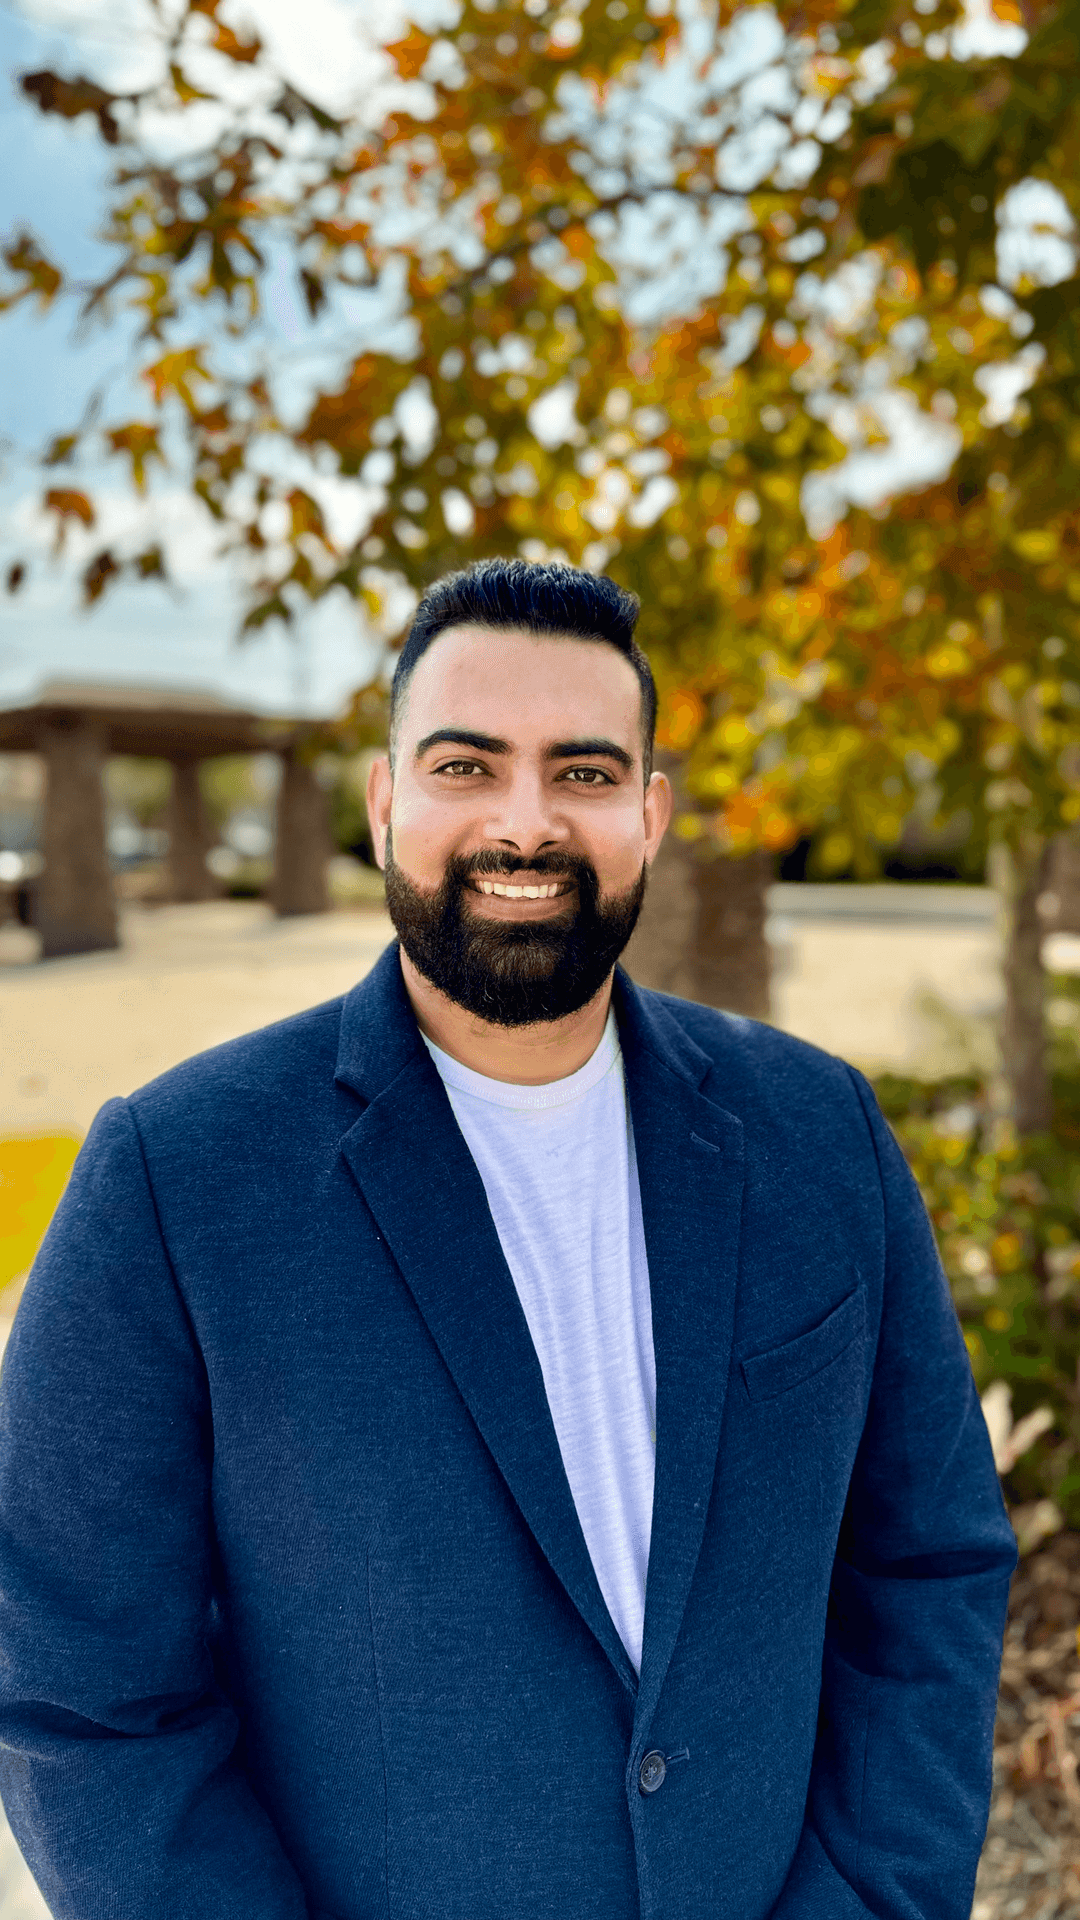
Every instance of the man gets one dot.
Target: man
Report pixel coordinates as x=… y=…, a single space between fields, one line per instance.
x=499 y=1446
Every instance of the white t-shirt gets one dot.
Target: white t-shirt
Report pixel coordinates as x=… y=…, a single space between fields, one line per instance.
x=558 y=1167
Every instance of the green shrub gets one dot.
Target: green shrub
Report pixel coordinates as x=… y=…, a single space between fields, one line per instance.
x=1007 y=1217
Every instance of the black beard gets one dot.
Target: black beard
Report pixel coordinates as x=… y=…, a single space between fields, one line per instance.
x=513 y=974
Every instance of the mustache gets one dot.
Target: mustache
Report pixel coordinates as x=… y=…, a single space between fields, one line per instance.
x=556 y=865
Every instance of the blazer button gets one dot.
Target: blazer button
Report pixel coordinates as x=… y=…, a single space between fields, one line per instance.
x=652 y=1772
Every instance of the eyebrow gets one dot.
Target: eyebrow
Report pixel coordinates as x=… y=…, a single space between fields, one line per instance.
x=559 y=749
x=460 y=737
x=583 y=749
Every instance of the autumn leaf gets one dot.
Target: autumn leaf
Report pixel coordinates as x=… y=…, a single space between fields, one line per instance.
x=70 y=98
x=140 y=442
x=150 y=564
x=183 y=87
x=102 y=568
x=174 y=373
x=410 y=53
x=275 y=608
x=60 y=449
x=229 y=43
x=305 y=514
x=68 y=504
x=40 y=278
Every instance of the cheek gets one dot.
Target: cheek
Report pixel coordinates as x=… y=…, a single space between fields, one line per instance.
x=617 y=844
x=423 y=836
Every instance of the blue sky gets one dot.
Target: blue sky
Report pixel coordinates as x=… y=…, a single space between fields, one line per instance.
x=52 y=176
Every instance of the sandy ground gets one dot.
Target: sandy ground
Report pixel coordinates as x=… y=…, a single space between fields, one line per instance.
x=75 y=1032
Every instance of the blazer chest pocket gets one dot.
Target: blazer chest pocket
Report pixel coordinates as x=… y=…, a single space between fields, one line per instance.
x=780 y=1368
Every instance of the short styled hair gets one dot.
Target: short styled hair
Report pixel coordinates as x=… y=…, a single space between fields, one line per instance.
x=539 y=596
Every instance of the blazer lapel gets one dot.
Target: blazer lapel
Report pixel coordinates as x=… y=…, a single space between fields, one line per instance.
x=690 y=1168
x=409 y=1158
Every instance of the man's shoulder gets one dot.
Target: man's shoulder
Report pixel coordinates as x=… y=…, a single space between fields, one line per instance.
x=801 y=1109
x=734 y=1042
x=280 y=1063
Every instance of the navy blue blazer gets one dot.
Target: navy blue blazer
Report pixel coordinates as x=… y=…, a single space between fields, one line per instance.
x=297 y=1621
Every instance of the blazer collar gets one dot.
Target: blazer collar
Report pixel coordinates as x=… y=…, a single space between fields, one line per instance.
x=411 y=1163
x=379 y=1034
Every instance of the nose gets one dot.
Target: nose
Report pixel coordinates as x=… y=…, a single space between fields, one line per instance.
x=525 y=817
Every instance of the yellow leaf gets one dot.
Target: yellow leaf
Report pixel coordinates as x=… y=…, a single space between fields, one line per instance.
x=781 y=487
x=714 y=783
x=947 y=661
x=733 y=730
x=1037 y=544
x=689 y=826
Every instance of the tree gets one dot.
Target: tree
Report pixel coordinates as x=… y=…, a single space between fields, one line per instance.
x=987 y=638
x=578 y=371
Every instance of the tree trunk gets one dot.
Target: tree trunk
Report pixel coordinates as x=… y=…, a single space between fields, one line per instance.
x=731 y=956
x=661 y=948
x=701 y=933
x=303 y=841
x=1062 y=914
x=190 y=838
x=1020 y=876
x=74 y=908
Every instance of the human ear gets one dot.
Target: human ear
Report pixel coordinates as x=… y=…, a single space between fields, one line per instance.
x=380 y=788
x=659 y=807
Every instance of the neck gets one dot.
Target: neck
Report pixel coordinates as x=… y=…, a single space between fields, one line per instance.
x=526 y=1056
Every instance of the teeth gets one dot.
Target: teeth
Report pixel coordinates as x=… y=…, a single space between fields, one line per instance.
x=519 y=893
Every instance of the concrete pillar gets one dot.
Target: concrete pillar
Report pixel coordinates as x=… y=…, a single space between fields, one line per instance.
x=303 y=841
x=74 y=908
x=190 y=837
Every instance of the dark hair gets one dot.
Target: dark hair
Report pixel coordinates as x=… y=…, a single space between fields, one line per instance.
x=541 y=596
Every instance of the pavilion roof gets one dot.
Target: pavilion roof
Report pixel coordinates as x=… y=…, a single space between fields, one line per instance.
x=152 y=721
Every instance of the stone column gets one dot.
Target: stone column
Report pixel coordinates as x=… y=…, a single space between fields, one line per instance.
x=74 y=907
x=303 y=841
x=190 y=838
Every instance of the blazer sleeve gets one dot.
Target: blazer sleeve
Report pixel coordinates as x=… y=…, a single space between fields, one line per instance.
x=900 y=1785
x=116 y=1745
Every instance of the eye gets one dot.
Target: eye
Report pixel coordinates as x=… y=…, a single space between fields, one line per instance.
x=461 y=768
x=588 y=777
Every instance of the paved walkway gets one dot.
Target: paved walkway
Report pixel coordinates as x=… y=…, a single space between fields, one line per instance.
x=884 y=976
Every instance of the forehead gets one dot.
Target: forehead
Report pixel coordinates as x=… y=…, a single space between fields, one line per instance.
x=523 y=686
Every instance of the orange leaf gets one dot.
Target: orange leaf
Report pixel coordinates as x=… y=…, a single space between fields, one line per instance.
x=410 y=53
x=174 y=372
x=68 y=504
x=228 y=43
x=140 y=443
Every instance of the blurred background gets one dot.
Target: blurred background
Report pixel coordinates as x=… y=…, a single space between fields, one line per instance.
x=767 y=311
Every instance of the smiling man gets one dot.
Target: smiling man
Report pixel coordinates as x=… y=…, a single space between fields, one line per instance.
x=499 y=1444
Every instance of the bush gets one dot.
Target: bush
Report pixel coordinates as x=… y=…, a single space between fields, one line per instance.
x=1007 y=1217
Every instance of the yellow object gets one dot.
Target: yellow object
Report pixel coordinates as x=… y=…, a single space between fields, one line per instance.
x=33 y=1174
